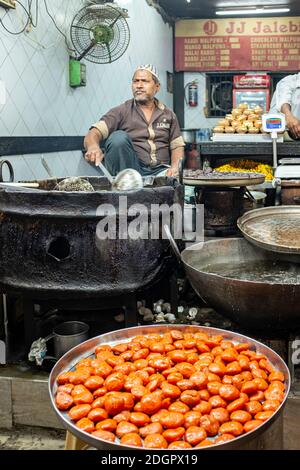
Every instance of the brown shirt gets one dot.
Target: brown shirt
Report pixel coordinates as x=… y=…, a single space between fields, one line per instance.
x=152 y=140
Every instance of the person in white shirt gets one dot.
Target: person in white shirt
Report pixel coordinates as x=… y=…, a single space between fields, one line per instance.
x=286 y=100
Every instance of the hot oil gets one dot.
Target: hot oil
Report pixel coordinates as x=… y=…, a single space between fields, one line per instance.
x=267 y=271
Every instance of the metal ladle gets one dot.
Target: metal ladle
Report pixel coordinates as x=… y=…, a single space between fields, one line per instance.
x=125 y=180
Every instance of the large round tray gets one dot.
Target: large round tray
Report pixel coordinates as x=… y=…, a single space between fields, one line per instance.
x=274 y=229
x=229 y=181
x=86 y=349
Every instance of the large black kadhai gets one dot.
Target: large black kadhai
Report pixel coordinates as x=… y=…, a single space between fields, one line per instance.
x=48 y=245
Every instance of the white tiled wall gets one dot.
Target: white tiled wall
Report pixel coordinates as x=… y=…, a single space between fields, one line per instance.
x=194 y=117
x=39 y=101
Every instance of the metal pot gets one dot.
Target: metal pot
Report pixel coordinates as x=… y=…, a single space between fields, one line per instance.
x=189 y=135
x=67 y=335
x=253 y=200
x=290 y=192
x=251 y=303
x=256 y=439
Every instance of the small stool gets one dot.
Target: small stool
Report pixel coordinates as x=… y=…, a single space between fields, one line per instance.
x=73 y=443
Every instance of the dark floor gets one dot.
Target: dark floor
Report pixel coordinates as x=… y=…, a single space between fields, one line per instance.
x=32 y=438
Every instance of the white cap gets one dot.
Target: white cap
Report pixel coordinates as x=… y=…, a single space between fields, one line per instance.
x=149 y=68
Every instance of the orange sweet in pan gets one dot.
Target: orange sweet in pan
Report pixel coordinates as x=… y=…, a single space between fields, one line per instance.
x=175 y=391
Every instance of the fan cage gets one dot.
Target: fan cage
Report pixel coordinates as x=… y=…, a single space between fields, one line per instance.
x=103 y=16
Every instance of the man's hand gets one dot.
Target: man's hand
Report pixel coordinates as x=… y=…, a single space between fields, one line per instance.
x=294 y=126
x=176 y=157
x=173 y=171
x=94 y=155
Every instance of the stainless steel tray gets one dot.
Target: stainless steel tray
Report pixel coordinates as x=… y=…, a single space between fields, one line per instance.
x=238 y=181
x=86 y=349
x=274 y=229
x=244 y=138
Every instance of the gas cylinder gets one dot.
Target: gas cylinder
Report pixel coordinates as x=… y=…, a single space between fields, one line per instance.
x=192 y=155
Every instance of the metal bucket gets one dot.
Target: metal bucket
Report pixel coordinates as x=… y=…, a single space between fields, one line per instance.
x=67 y=335
x=189 y=135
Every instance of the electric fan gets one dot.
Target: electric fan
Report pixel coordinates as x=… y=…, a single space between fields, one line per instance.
x=221 y=96
x=100 y=33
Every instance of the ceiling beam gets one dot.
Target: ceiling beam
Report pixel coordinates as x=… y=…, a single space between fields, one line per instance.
x=161 y=11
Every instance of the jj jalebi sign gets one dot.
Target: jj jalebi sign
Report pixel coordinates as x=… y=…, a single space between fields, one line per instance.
x=238 y=44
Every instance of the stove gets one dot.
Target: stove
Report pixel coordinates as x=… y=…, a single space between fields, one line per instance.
x=289 y=168
x=222 y=207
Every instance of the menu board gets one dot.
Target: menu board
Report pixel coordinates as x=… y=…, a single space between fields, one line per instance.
x=238 y=44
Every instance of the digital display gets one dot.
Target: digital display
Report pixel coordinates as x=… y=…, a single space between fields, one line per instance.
x=273 y=123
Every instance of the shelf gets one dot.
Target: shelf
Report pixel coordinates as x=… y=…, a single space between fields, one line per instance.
x=244 y=138
x=245 y=149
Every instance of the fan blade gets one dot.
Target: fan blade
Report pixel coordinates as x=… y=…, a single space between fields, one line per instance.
x=81 y=27
x=91 y=46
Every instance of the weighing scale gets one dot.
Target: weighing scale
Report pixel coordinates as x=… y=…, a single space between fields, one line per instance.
x=274 y=123
x=289 y=168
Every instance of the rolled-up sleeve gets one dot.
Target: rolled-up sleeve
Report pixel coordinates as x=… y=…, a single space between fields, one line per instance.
x=176 y=139
x=284 y=91
x=109 y=123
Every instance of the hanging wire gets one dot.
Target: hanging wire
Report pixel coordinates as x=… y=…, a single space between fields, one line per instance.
x=36 y=12
x=30 y=21
x=6 y=12
x=26 y=25
x=58 y=29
